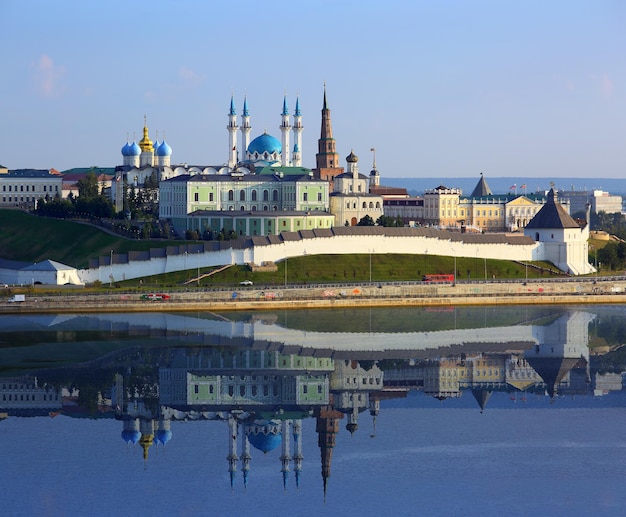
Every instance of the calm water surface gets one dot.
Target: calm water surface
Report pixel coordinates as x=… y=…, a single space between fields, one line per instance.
x=482 y=411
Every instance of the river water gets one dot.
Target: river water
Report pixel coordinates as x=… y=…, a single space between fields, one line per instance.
x=456 y=411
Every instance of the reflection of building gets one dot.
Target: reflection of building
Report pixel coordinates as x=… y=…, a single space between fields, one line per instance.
x=247 y=379
x=24 y=397
x=351 y=385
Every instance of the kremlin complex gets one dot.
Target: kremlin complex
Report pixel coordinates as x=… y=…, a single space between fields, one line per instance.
x=262 y=189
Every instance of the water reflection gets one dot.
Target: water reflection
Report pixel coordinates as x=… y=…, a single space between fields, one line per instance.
x=260 y=379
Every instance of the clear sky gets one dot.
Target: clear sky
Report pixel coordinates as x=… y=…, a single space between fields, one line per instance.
x=440 y=88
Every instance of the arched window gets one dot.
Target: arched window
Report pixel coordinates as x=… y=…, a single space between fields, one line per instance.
x=265 y=207
x=254 y=195
x=242 y=208
x=254 y=208
x=242 y=195
x=371 y=205
x=274 y=195
x=231 y=195
x=266 y=196
x=364 y=204
x=377 y=204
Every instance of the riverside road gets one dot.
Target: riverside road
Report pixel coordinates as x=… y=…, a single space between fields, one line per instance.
x=609 y=290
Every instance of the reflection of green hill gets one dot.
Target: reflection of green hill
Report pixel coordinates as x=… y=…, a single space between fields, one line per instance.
x=403 y=319
x=52 y=355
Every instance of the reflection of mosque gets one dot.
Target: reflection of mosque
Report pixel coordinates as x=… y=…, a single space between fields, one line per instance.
x=262 y=395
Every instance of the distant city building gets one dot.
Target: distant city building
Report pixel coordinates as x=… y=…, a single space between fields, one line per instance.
x=599 y=200
x=23 y=187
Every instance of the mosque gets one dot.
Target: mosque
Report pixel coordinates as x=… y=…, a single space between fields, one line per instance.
x=262 y=191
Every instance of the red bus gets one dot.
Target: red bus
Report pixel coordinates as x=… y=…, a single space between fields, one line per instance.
x=438 y=278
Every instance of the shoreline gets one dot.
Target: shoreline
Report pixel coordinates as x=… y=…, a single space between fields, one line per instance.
x=579 y=292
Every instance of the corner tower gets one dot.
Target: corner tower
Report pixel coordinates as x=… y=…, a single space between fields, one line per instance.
x=327 y=158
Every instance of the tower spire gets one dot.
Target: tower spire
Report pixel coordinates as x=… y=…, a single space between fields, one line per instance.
x=327 y=159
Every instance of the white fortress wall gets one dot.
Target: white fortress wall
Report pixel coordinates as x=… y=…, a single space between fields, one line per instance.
x=336 y=244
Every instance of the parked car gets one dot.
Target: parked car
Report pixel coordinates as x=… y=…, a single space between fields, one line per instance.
x=246 y=282
x=155 y=297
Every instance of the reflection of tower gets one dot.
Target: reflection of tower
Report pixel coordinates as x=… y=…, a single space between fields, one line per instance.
x=246 y=457
x=482 y=397
x=285 y=457
x=232 y=448
x=563 y=346
x=163 y=434
x=353 y=421
x=327 y=427
x=297 y=449
x=374 y=411
x=146 y=428
x=130 y=432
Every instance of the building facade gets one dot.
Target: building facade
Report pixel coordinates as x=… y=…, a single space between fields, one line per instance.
x=23 y=187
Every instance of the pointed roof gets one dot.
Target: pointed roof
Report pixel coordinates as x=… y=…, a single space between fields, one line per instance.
x=297 y=113
x=481 y=189
x=482 y=397
x=285 y=110
x=552 y=215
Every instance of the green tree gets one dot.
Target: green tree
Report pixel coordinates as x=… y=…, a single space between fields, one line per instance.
x=88 y=186
x=366 y=221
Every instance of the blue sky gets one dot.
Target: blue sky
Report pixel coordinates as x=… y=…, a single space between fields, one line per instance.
x=439 y=88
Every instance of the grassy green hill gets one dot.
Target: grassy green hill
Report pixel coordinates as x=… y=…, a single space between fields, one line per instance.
x=29 y=238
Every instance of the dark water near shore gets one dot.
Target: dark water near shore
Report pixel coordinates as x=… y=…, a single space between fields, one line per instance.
x=456 y=411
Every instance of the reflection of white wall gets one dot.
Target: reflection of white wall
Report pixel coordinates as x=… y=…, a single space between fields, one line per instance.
x=567 y=337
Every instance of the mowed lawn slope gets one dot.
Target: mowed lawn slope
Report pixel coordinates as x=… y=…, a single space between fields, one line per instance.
x=30 y=238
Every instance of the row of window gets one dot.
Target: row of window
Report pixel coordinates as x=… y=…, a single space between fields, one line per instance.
x=371 y=205
x=29 y=188
x=254 y=197
x=26 y=397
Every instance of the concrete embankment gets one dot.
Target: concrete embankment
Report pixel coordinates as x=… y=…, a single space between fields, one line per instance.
x=608 y=291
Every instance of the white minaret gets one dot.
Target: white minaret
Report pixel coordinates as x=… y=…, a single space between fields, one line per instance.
x=297 y=136
x=284 y=129
x=245 y=128
x=285 y=457
x=232 y=135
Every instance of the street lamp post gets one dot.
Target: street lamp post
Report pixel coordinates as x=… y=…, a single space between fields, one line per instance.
x=198 y=268
x=285 y=272
x=454 y=272
x=111 y=268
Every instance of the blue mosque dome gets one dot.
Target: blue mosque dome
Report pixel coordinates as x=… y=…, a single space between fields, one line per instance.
x=164 y=149
x=131 y=436
x=134 y=149
x=265 y=442
x=265 y=143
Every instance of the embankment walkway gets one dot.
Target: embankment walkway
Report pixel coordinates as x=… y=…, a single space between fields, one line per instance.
x=569 y=291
